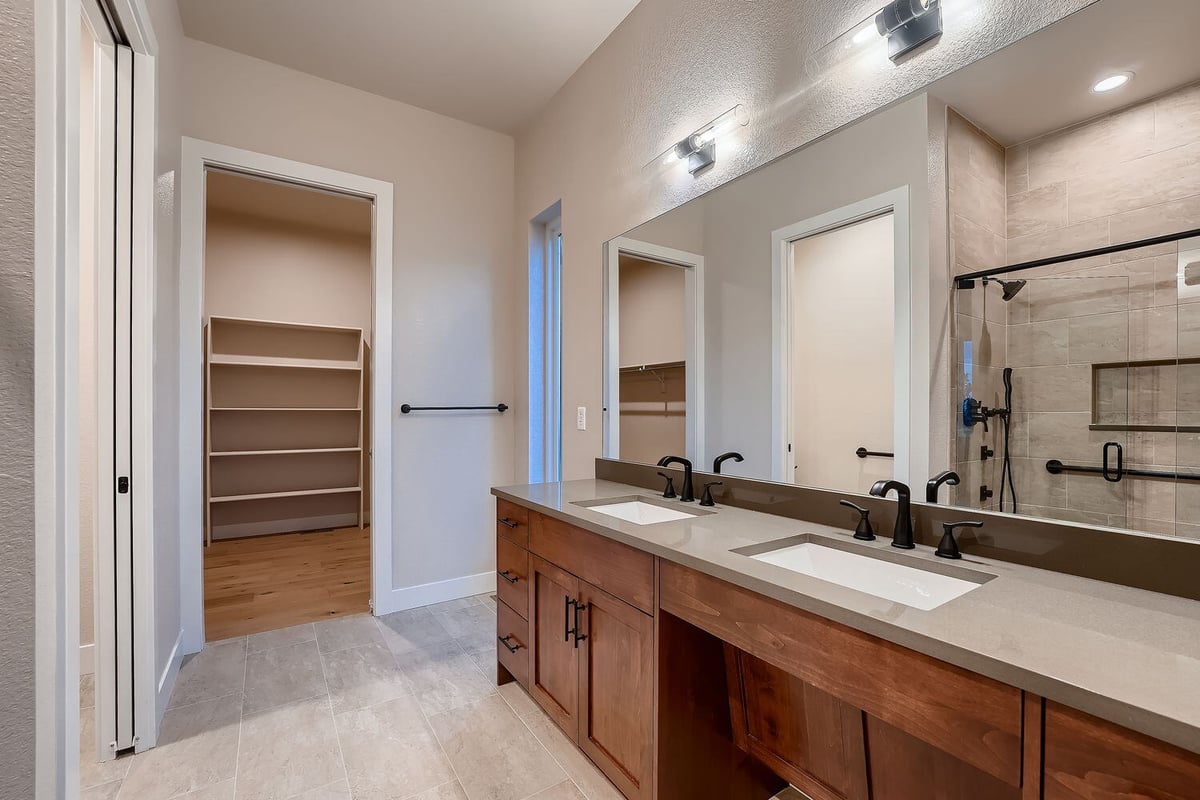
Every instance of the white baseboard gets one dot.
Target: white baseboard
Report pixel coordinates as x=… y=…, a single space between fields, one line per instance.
x=166 y=681
x=437 y=592
x=87 y=659
x=239 y=530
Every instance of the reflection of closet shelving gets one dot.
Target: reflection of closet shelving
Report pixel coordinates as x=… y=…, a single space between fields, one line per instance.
x=284 y=417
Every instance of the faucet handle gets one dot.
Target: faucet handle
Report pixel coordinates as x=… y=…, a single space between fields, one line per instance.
x=864 y=531
x=707 y=499
x=948 y=547
x=669 y=492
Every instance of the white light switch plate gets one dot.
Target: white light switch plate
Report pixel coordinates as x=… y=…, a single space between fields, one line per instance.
x=581 y=418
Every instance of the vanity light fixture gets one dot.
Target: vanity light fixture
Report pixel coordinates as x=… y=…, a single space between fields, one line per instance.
x=699 y=148
x=908 y=24
x=1111 y=82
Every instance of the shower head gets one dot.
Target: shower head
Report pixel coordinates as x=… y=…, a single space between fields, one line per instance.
x=1009 y=289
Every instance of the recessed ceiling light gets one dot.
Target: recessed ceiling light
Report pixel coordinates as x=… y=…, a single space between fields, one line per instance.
x=1112 y=82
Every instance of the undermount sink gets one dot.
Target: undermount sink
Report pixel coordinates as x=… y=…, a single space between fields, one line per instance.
x=923 y=589
x=639 y=510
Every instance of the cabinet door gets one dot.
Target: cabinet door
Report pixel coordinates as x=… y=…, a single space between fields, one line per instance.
x=554 y=681
x=616 y=686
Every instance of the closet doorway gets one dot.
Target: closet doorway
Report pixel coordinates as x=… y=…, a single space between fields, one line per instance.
x=287 y=325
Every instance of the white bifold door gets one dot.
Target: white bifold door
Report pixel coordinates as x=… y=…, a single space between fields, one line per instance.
x=107 y=140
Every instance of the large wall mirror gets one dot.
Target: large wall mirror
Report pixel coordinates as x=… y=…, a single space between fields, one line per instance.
x=998 y=276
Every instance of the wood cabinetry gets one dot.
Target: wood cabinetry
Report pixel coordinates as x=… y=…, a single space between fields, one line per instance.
x=554 y=677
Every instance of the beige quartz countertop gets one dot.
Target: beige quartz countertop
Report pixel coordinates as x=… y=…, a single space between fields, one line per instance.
x=1126 y=655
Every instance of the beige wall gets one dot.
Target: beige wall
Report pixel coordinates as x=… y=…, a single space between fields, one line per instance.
x=454 y=294
x=639 y=92
x=843 y=322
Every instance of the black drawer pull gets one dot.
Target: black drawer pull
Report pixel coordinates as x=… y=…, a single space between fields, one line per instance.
x=567 y=629
x=512 y=648
x=508 y=576
x=507 y=522
x=579 y=637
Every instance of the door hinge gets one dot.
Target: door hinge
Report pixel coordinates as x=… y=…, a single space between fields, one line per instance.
x=123 y=485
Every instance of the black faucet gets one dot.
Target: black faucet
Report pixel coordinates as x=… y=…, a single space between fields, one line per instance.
x=706 y=499
x=721 y=459
x=686 y=494
x=948 y=477
x=902 y=536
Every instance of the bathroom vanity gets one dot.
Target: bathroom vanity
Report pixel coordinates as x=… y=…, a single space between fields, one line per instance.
x=685 y=667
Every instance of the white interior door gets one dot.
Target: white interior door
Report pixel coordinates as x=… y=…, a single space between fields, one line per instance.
x=112 y=205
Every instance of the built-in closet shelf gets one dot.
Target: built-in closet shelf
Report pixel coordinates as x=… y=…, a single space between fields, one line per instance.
x=285 y=363
x=257 y=374
x=237 y=498
x=302 y=451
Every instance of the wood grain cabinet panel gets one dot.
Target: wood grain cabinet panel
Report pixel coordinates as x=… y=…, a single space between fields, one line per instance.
x=616 y=689
x=554 y=662
x=512 y=639
x=976 y=718
x=1090 y=759
x=616 y=568
x=903 y=767
x=512 y=522
x=805 y=735
x=512 y=576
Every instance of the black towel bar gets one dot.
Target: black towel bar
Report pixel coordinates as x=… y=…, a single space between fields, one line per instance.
x=1056 y=467
x=863 y=452
x=406 y=408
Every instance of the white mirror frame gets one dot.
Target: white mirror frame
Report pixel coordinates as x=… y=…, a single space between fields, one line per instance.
x=693 y=265
x=909 y=461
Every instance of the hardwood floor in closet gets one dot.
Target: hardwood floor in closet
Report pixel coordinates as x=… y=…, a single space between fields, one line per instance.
x=262 y=583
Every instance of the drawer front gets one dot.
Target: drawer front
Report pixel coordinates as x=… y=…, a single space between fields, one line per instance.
x=975 y=718
x=512 y=576
x=512 y=522
x=512 y=643
x=618 y=569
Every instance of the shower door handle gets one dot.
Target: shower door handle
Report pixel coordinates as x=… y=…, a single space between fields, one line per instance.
x=1110 y=475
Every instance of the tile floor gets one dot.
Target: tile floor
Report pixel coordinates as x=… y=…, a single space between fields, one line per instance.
x=362 y=708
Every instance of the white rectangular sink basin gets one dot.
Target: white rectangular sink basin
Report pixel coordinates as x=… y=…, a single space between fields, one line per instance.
x=910 y=586
x=640 y=513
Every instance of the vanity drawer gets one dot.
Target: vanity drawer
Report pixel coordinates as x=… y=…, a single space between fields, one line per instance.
x=512 y=576
x=620 y=570
x=973 y=717
x=512 y=643
x=512 y=522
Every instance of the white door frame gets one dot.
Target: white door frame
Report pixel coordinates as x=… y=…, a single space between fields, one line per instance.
x=693 y=264
x=56 y=384
x=197 y=157
x=895 y=202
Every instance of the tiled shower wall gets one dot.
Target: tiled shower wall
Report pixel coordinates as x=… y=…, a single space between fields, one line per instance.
x=1126 y=176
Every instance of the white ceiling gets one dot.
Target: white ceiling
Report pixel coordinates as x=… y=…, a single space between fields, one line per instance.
x=491 y=62
x=1042 y=83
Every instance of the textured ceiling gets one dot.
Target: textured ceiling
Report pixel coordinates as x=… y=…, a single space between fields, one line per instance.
x=491 y=63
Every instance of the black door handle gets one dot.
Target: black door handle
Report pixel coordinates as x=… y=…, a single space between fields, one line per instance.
x=512 y=648
x=579 y=637
x=1110 y=476
x=567 y=629
x=507 y=522
x=508 y=576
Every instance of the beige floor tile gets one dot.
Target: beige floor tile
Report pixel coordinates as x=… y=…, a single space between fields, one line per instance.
x=447 y=791
x=217 y=670
x=221 y=791
x=495 y=755
x=519 y=700
x=566 y=790
x=355 y=631
x=105 y=791
x=91 y=771
x=472 y=627
x=583 y=772
x=283 y=675
x=281 y=638
x=453 y=605
x=363 y=676
x=391 y=751
x=288 y=750
x=198 y=748
x=339 y=790
x=406 y=631
x=87 y=691
x=444 y=677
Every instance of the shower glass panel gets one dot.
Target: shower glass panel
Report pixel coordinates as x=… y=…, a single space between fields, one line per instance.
x=1185 y=288
x=1044 y=394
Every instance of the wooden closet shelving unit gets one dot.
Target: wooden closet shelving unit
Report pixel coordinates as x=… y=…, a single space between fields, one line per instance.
x=280 y=397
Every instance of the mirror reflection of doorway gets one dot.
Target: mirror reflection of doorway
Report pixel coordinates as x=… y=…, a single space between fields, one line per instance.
x=842 y=321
